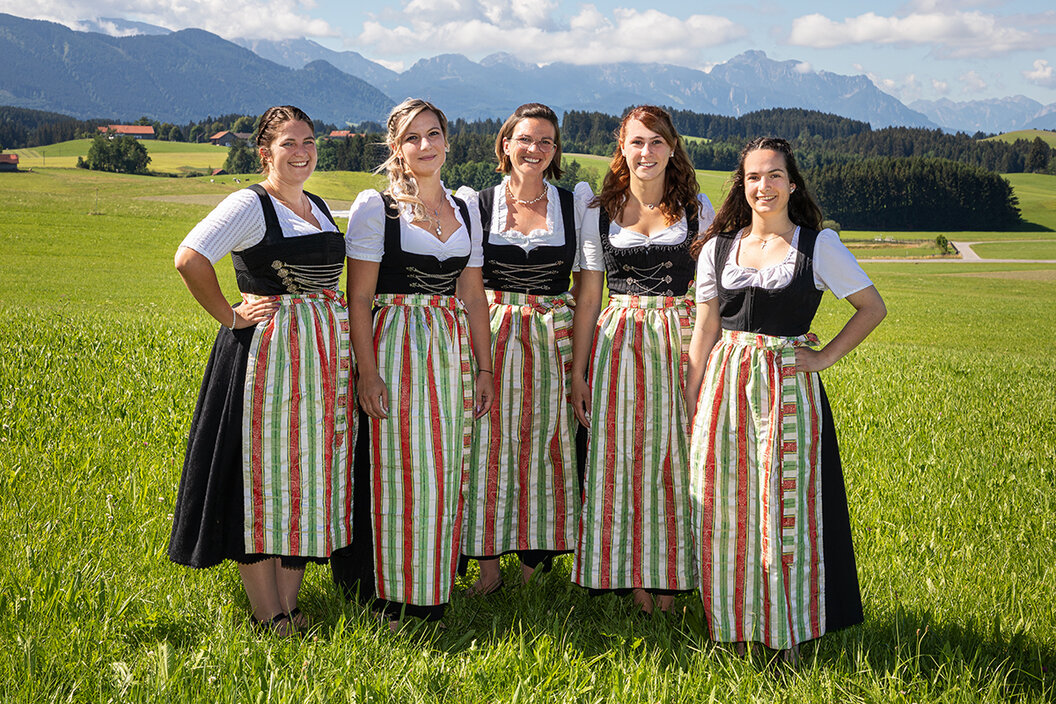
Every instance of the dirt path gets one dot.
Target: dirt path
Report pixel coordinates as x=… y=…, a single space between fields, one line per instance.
x=968 y=256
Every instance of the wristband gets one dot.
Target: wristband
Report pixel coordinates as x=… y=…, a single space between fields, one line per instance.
x=234 y=319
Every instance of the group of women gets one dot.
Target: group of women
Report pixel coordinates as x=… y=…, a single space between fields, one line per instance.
x=480 y=350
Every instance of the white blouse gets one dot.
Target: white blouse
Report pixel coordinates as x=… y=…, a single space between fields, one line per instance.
x=591 y=255
x=237 y=223
x=835 y=269
x=552 y=236
x=366 y=232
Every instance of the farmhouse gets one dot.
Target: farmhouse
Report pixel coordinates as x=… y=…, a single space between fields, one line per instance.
x=342 y=134
x=8 y=162
x=136 y=131
x=227 y=139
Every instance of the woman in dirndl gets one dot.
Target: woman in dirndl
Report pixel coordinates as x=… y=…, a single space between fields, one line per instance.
x=265 y=476
x=419 y=319
x=635 y=532
x=770 y=510
x=523 y=491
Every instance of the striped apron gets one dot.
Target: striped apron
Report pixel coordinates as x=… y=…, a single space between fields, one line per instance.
x=755 y=466
x=297 y=430
x=523 y=489
x=419 y=452
x=635 y=528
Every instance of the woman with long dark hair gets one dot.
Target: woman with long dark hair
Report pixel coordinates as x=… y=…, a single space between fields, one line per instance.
x=770 y=509
x=523 y=491
x=264 y=480
x=628 y=370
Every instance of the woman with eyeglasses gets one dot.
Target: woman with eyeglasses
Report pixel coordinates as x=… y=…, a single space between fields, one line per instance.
x=523 y=492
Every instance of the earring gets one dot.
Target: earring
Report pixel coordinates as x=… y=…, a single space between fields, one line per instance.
x=793 y=189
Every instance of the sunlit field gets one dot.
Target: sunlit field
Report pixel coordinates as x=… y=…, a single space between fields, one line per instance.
x=949 y=452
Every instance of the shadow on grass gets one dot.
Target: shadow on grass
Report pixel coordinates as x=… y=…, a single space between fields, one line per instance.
x=910 y=645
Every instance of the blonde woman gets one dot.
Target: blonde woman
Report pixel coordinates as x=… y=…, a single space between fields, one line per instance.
x=264 y=480
x=417 y=304
x=523 y=493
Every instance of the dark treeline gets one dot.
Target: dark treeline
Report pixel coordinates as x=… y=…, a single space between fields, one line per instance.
x=914 y=193
x=21 y=127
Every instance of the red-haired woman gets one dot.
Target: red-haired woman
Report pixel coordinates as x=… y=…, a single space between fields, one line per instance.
x=636 y=532
x=523 y=491
x=776 y=560
x=264 y=480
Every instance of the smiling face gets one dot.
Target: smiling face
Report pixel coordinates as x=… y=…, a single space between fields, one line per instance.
x=423 y=146
x=767 y=187
x=291 y=156
x=530 y=146
x=646 y=152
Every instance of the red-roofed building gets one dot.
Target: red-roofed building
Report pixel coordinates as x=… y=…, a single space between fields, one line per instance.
x=137 y=131
x=340 y=134
x=227 y=139
x=8 y=162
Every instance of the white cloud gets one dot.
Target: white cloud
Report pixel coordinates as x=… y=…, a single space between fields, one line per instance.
x=972 y=82
x=1043 y=74
x=804 y=67
x=953 y=34
x=529 y=30
x=263 y=19
x=939 y=87
x=906 y=88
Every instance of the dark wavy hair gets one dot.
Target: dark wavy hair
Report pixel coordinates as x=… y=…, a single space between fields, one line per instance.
x=542 y=112
x=680 y=181
x=271 y=122
x=735 y=212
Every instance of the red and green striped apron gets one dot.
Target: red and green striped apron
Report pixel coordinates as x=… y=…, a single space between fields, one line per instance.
x=523 y=490
x=419 y=452
x=636 y=530
x=297 y=429
x=756 y=473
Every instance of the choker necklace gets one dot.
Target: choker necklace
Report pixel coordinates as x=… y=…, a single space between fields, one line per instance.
x=533 y=201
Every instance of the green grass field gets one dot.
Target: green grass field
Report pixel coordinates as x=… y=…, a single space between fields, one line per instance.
x=949 y=453
x=1016 y=250
x=1029 y=135
x=165 y=157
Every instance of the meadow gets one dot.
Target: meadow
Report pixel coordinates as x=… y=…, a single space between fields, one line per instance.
x=949 y=452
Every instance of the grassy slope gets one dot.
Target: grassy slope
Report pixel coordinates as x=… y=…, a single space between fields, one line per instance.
x=1029 y=135
x=949 y=457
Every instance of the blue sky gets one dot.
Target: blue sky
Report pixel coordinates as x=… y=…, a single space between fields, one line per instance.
x=927 y=49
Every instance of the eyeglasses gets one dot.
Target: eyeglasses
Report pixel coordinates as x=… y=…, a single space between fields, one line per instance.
x=543 y=145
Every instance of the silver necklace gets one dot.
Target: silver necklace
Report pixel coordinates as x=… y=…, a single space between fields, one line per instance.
x=768 y=240
x=517 y=200
x=436 y=214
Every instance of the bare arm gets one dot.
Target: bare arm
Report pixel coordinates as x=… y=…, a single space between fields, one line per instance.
x=706 y=333
x=584 y=321
x=200 y=278
x=471 y=293
x=869 y=311
x=361 y=282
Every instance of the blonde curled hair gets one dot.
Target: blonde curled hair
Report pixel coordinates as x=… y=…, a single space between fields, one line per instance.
x=402 y=186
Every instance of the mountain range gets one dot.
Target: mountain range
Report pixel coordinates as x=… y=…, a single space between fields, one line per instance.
x=178 y=76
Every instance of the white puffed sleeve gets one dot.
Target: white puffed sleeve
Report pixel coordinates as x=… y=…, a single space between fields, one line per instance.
x=835 y=268
x=237 y=223
x=366 y=227
x=706 y=214
x=476 y=248
x=591 y=257
x=706 y=287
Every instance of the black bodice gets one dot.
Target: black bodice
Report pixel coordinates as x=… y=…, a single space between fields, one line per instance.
x=542 y=271
x=279 y=265
x=785 y=312
x=408 y=272
x=652 y=269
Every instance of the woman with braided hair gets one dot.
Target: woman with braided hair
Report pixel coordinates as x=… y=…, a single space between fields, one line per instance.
x=419 y=319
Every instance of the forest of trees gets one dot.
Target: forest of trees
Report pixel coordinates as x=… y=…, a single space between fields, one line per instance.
x=914 y=193
x=123 y=155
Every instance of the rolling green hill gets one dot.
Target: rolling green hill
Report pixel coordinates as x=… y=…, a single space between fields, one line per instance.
x=1029 y=135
